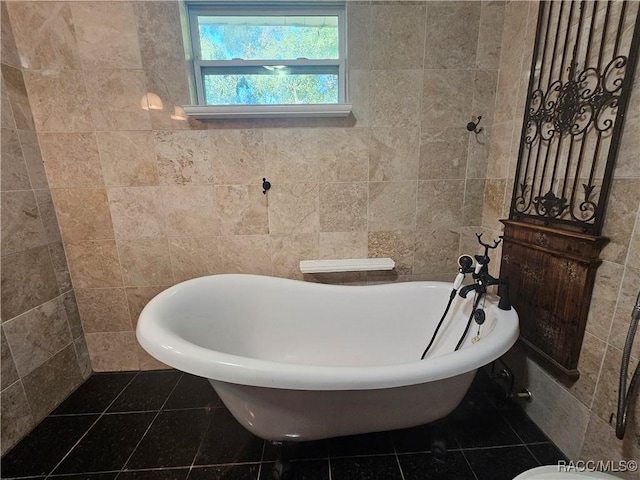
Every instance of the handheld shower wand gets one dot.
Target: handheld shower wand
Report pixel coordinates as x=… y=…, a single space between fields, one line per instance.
x=625 y=395
x=465 y=264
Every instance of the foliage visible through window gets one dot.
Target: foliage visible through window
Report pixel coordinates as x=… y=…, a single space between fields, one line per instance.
x=281 y=55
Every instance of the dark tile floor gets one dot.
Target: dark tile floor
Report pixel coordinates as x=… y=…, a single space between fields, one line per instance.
x=171 y=426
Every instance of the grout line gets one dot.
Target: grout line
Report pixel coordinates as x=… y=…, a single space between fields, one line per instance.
x=124 y=465
x=395 y=454
x=473 y=472
x=89 y=429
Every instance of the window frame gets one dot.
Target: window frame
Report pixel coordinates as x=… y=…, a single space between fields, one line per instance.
x=202 y=110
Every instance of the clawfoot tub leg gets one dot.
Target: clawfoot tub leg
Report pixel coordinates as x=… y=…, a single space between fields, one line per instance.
x=282 y=468
x=439 y=443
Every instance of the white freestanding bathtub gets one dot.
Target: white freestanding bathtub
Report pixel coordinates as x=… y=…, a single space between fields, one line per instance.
x=298 y=361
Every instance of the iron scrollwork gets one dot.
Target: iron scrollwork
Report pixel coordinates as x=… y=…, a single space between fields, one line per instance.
x=569 y=125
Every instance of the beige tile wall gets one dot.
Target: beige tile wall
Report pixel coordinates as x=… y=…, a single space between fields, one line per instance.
x=146 y=198
x=576 y=417
x=44 y=355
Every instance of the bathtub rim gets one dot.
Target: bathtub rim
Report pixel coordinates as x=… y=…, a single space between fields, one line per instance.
x=179 y=353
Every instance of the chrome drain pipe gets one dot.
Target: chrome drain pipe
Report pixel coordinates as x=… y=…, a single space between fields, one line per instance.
x=625 y=395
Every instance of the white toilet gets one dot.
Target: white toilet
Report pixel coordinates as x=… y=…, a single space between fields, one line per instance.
x=551 y=472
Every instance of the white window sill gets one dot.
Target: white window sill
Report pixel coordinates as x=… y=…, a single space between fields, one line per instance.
x=203 y=112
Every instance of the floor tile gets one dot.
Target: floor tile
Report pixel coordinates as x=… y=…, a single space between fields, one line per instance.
x=108 y=444
x=298 y=450
x=477 y=423
x=172 y=440
x=423 y=465
x=164 y=474
x=227 y=441
x=227 y=472
x=547 y=453
x=383 y=467
x=148 y=391
x=366 y=444
x=422 y=438
x=192 y=392
x=526 y=429
x=302 y=470
x=87 y=476
x=503 y=463
x=96 y=394
x=40 y=451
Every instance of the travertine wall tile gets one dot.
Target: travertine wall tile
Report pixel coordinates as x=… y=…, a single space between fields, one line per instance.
x=238 y=156
x=359 y=28
x=16 y=90
x=440 y=204
x=589 y=365
x=490 y=34
x=45 y=35
x=395 y=98
x=398 y=245
x=183 y=158
x=116 y=98
x=127 y=158
x=16 y=417
x=436 y=251
x=392 y=205
x=394 y=154
x=137 y=212
x=71 y=159
x=37 y=335
x=343 y=207
x=9 y=374
x=447 y=98
x=246 y=254
x=52 y=382
x=60 y=266
x=603 y=300
x=94 y=264
x=629 y=291
x=22 y=225
x=601 y=444
x=9 y=50
x=59 y=100
x=28 y=280
x=48 y=215
x=145 y=262
x=622 y=209
x=83 y=214
x=193 y=257
x=33 y=159
x=15 y=175
x=106 y=34
x=104 y=310
x=340 y=245
x=289 y=250
x=293 y=208
x=452 y=35
x=190 y=211
x=137 y=298
x=111 y=352
x=242 y=209
x=397 y=36
x=443 y=153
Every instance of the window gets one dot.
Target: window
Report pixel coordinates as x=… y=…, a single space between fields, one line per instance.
x=286 y=56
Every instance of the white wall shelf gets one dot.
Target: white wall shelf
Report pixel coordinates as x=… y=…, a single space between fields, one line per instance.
x=347 y=265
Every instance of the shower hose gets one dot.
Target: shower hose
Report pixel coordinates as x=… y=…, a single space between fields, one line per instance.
x=625 y=395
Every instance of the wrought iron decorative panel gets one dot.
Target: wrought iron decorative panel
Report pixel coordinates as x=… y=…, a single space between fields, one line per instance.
x=584 y=59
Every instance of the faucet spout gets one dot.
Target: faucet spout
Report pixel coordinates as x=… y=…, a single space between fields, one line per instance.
x=464 y=291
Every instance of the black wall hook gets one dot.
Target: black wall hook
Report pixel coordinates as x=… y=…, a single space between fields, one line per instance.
x=265 y=185
x=473 y=127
